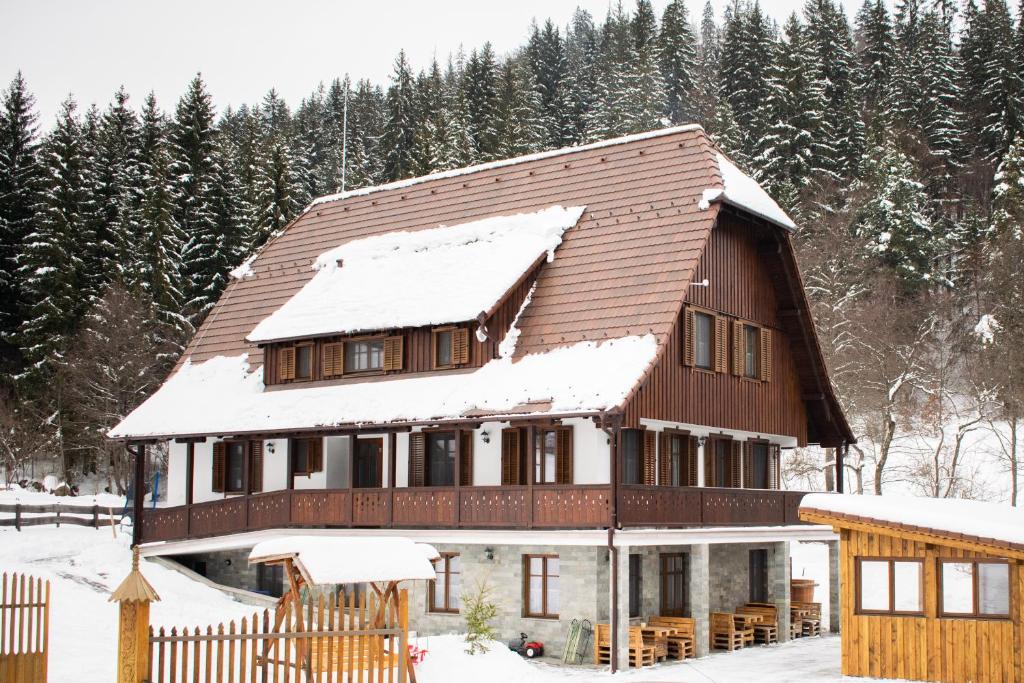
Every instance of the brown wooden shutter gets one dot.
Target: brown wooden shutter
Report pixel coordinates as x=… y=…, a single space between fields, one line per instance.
x=316 y=455
x=563 y=455
x=460 y=346
x=334 y=359
x=738 y=345
x=510 y=459
x=394 y=349
x=765 y=366
x=691 y=461
x=748 y=465
x=256 y=466
x=709 y=462
x=774 y=466
x=286 y=362
x=721 y=344
x=735 y=459
x=665 y=459
x=219 y=466
x=689 y=345
x=417 y=458
x=650 y=457
x=466 y=457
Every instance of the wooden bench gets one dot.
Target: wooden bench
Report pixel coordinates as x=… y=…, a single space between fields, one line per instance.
x=810 y=625
x=767 y=631
x=725 y=635
x=681 y=643
x=640 y=653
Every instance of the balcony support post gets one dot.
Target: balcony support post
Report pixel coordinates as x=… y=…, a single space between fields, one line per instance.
x=701 y=474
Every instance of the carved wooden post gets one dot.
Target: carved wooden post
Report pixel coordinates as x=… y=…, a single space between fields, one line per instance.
x=133 y=595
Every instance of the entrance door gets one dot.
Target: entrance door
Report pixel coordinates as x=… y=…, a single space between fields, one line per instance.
x=368 y=463
x=675 y=598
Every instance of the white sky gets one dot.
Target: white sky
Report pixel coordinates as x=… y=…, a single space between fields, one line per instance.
x=244 y=48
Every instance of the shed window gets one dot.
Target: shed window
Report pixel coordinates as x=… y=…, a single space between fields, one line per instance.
x=887 y=586
x=703 y=332
x=975 y=588
x=362 y=356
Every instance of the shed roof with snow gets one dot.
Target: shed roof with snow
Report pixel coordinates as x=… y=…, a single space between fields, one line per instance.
x=326 y=561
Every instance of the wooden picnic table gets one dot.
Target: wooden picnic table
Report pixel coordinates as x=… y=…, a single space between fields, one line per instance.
x=745 y=620
x=658 y=635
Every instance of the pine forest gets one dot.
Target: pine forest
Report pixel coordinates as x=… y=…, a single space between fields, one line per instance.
x=892 y=137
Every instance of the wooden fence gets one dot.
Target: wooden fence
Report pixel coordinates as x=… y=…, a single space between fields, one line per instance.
x=324 y=640
x=40 y=515
x=24 y=628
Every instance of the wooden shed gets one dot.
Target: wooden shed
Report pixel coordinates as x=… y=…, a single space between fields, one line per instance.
x=930 y=588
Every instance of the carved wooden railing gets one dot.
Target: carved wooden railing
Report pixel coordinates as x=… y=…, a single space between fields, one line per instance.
x=474 y=507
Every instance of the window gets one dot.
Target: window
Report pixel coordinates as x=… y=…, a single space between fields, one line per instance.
x=440 y=465
x=751 y=347
x=306 y=455
x=451 y=347
x=546 y=458
x=540 y=587
x=889 y=586
x=677 y=460
x=234 y=468
x=758 y=477
x=703 y=332
x=636 y=582
x=722 y=462
x=757 y=575
x=443 y=592
x=632 y=456
x=304 y=361
x=368 y=463
x=675 y=599
x=975 y=588
x=364 y=356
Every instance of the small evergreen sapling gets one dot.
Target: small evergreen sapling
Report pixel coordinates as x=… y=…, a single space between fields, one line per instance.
x=479 y=610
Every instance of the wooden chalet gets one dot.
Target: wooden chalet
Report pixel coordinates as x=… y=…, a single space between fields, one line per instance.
x=931 y=588
x=587 y=359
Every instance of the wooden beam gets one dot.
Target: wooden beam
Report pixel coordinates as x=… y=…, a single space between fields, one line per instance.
x=140 y=492
x=190 y=465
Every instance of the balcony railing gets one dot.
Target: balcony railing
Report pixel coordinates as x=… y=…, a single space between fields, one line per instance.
x=477 y=507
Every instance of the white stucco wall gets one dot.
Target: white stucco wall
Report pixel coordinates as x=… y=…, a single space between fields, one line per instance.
x=176 y=469
x=203 y=473
x=275 y=464
x=402 y=459
x=591 y=454
x=487 y=456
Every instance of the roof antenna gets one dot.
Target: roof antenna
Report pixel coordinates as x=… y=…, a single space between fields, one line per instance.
x=344 y=135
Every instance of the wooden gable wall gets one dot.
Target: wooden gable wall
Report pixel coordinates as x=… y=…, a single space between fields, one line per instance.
x=740 y=286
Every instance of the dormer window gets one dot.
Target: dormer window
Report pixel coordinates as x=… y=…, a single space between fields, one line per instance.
x=304 y=361
x=450 y=347
x=364 y=355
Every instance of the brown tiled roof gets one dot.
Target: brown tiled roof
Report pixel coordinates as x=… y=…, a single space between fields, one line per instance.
x=623 y=270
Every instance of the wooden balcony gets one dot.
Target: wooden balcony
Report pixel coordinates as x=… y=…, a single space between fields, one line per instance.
x=477 y=507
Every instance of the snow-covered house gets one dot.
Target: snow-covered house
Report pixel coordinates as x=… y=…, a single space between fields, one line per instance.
x=574 y=373
x=931 y=588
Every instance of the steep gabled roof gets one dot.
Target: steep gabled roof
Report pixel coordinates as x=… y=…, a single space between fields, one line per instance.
x=621 y=272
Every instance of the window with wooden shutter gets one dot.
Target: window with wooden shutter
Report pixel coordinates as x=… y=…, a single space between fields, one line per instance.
x=664 y=459
x=748 y=465
x=737 y=348
x=219 y=465
x=766 y=355
x=460 y=346
x=563 y=467
x=394 y=349
x=334 y=359
x=650 y=457
x=466 y=457
x=417 y=458
x=286 y=362
x=255 y=466
x=691 y=461
x=775 y=466
x=710 y=456
x=316 y=455
x=721 y=344
x=511 y=459
x=735 y=465
x=689 y=342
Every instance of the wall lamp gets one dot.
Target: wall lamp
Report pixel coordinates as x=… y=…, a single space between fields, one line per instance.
x=486 y=436
x=489 y=554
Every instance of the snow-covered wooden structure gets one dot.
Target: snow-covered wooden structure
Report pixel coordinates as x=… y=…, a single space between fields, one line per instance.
x=535 y=362
x=931 y=588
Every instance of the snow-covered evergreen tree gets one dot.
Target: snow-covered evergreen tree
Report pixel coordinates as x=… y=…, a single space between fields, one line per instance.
x=399 y=138
x=647 y=99
x=546 y=56
x=19 y=183
x=520 y=116
x=748 y=51
x=876 y=54
x=118 y=193
x=480 y=90
x=677 y=47
x=578 y=87
x=279 y=188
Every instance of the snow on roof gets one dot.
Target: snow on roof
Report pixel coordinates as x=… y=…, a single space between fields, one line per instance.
x=324 y=560
x=221 y=396
x=949 y=515
x=742 y=191
x=501 y=163
x=426 y=277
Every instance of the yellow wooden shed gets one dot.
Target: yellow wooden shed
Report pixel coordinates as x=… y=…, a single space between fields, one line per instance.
x=930 y=588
